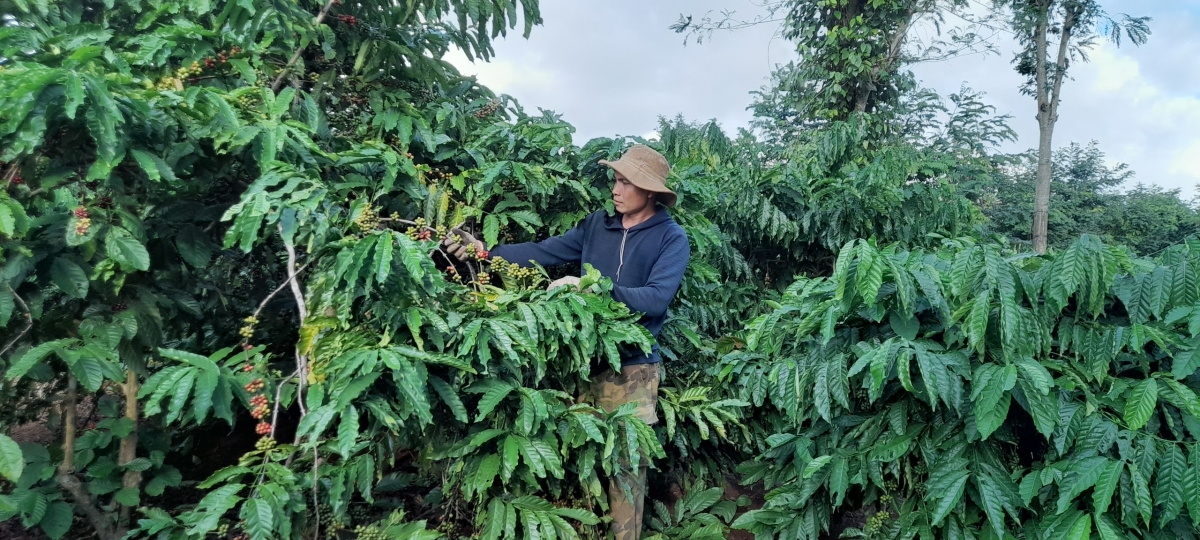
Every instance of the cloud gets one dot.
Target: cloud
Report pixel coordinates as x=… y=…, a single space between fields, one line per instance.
x=613 y=67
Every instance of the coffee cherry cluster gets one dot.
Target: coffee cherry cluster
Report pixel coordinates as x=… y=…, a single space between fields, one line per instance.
x=369 y=533
x=262 y=406
x=325 y=514
x=263 y=428
x=484 y=278
x=348 y=19
x=487 y=110
x=877 y=522
x=222 y=57
x=513 y=274
x=248 y=330
x=265 y=443
x=359 y=513
x=415 y=234
x=83 y=221
x=118 y=307
x=17 y=180
x=473 y=252
x=223 y=529
x=368 y=218
x=255 y=385
x=434 y=174
x=248 y=367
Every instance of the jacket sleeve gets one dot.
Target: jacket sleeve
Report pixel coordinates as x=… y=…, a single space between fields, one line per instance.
x=665 y=278
x=556 y=250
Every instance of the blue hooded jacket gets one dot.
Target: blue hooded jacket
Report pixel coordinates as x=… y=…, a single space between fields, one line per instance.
x=645 y=262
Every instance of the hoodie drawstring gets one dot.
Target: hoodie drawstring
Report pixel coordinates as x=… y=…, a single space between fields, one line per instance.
x=624 y=235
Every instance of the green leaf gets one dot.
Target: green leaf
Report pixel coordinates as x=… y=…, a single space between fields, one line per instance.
x=1170 y=484
x=69 y=277
x=450 y=398
x=491 y=230
x=493 y=525
x=122 y=247
x=816 y=465
x=1107 y=528
x=1141 y=494
x=127 y=496
x=57 y=520
x=990 y=500
x=948 y=498
x=8 y=222
x=31 y=357
x=12 y=463
x=1186 y=362
x=989 y=419
x=510 y=458
x=977 y=319
x=1081 y=530
x=194 y=246
x=258 y=516
x=347 y=431
x=906 y=328
x=1106 y=485
x=214 y=505
x=383 y=258
x=137 y=465
x=1037 y=375
x=155 y=167
x=491 y=398
x=486 y=474
x=1082 y=475
x=1143 y=399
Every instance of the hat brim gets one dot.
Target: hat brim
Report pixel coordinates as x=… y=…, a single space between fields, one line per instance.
x=640 y=179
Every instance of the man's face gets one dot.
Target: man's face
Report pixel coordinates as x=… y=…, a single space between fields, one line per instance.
x=628 y=198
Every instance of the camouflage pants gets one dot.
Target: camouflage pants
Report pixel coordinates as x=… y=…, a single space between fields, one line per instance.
x=636 y=383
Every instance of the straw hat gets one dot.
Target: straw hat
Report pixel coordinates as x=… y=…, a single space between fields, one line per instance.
x=647 y=169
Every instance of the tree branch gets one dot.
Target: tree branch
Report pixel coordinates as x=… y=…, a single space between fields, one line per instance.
x=28 y=321
x=287 y=68
x=1060 y=67
x=1040 y=76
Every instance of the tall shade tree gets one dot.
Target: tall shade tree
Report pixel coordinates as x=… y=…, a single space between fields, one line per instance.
x=1077 y=25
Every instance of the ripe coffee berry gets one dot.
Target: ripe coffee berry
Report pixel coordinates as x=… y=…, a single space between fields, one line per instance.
x=81 y=212
x=262 y=428
x=119 y=307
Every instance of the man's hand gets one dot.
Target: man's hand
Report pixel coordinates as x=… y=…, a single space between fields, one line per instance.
x=569 y=280
x=458 y=250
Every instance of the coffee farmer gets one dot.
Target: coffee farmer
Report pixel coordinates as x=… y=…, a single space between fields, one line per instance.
x=645 y=253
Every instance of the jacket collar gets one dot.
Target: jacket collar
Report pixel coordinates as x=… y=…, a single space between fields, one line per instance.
x=660 y=216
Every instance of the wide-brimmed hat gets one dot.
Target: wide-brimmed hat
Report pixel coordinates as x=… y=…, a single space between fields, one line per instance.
x=647 y=169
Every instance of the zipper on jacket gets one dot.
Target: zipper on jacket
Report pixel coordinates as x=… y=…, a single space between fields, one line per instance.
x=624 y=235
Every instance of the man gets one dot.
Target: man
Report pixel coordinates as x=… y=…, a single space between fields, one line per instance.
x=645 y=253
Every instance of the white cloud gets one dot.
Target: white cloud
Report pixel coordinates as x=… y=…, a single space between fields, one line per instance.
x=613 y=67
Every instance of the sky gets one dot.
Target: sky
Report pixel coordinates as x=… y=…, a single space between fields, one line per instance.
x=613 y=67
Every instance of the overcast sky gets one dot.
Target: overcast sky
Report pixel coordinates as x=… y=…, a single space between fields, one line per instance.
x=612 y=67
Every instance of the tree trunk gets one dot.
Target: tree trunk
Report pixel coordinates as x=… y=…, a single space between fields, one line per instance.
x=66 y=469
x=128 y=450
x=1049 y=95
x=1041 y=194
